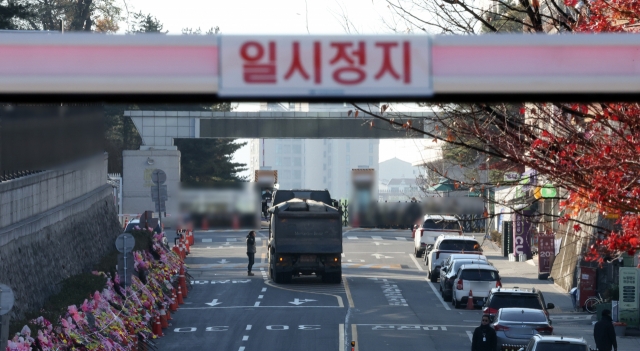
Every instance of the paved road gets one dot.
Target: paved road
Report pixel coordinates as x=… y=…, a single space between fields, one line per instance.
x=384 y=303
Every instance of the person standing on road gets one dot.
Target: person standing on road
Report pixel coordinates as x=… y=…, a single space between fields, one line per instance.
x=251 y=250
x=484 y=337
x=574 y=298
x=604 y=333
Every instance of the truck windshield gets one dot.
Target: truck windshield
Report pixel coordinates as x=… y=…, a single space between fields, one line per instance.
x=440 y=225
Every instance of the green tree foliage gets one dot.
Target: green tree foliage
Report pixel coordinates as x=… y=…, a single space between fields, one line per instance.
x=17 y=14
x=208 y=161
x=54 y=15
x=146 y=24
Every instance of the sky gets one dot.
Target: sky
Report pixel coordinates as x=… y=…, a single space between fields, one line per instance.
x=281 y=17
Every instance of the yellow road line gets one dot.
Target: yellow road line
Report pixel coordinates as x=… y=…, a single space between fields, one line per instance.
x=354 y=335
x=348 y=291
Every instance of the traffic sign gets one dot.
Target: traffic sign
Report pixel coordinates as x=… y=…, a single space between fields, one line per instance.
x=7 y=299
x=312 y=65
x=158 y=176
x=125 y=242
x=160 y=207
x=159 y=192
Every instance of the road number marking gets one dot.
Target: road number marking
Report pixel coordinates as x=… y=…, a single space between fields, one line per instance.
x=185 y=330
x=277 y=327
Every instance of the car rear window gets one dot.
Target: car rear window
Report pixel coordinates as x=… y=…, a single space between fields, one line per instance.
x=479 y=275
x=459 y=245
x=514 y=300
x=520 y=316
x=560 y=346
x=441 y=225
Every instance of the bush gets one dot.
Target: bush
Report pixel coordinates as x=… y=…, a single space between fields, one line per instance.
x=74 y=291
x=77 y=288
x=496 y=237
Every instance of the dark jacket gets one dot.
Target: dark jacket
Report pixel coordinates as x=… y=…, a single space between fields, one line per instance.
x=604 y=334
x=484 y=339
x=251 y=244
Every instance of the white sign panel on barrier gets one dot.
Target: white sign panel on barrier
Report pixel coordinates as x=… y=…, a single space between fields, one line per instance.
x=301 y=66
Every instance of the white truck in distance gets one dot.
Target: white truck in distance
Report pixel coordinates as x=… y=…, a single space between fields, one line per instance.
x=431 y=228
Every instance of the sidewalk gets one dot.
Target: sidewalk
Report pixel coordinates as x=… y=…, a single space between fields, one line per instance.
x=525 y=275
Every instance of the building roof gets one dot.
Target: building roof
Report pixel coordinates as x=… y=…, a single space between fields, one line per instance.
x=401 y=181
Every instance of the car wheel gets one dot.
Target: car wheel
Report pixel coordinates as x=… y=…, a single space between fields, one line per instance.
x=440 y=288
x=432 y=278
x=419 y=253
x=446 y=297
x=454 y=302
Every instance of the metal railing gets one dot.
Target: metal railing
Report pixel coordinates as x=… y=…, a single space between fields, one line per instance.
x=7 y=176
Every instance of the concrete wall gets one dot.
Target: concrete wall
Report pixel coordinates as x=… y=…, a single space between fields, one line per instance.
x=61 y=224
x=136 y=175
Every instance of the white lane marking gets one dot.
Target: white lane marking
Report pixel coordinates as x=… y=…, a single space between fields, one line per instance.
x=470 y=335
x=260 y=296
x=352 y=237
x=376 y=237
x=232 y=307
x=264 y=289
x=401 y=238
x=232 y=239
x=245 y=338
x=341 y=336
x=263 y=257
x=446 y=305
x=342 y=254
x=416 y=262
x=207 y=240
x=241 y=348
x=256 y=304
x=248 y=327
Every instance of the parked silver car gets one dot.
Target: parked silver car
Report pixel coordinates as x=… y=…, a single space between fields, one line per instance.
x=516 y=326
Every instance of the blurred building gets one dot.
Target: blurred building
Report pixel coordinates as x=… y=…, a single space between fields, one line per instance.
x=313 y=163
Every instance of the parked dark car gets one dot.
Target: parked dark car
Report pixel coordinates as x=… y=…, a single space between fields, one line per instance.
x=515 y=297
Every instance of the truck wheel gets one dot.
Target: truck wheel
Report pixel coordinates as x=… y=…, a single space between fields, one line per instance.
x=543 y=276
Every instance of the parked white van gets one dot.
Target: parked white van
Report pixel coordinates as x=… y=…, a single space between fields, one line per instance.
x=431 y=228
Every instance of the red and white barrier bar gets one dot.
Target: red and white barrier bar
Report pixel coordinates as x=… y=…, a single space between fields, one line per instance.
x=164 y=68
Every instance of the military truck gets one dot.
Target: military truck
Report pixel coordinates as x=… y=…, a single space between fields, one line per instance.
x=305 y=238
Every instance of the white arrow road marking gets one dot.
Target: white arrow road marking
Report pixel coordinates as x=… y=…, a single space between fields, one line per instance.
x=378 y=256
x=223 y=261
x=213 y=303
x=378 y=244
x=356 y=260
x=299 y=302
x=352 y=237
x=342 y=254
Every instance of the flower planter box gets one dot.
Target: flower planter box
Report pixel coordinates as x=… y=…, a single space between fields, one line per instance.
x=620 y=329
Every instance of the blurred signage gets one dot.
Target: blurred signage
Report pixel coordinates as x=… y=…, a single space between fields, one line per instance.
x=628 y=305
x=521 y=232
x=363 y=175
x=299 y=66
x=511 y=176
x=546 y=253
x=266 y=177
